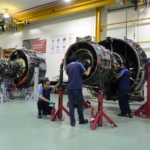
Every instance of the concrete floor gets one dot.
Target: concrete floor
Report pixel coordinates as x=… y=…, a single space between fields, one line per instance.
x=20 y=129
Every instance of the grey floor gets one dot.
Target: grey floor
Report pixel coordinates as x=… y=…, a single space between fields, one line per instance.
x=20 y=129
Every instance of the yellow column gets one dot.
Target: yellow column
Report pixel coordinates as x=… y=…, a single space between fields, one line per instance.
x=98 y=24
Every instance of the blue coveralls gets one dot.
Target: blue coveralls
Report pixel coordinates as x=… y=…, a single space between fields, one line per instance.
x=74 y=72
x=124 y=86
x=43 y=107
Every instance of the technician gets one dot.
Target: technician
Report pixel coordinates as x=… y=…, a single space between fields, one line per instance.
x=75 y=70
x=44 y=101
x=124 y=85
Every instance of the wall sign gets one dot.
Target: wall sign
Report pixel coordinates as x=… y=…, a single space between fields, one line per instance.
x=38 y=45
x=60 y=43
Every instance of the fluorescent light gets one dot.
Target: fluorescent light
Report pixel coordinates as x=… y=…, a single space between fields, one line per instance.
x=6 y=15
x=67 y=0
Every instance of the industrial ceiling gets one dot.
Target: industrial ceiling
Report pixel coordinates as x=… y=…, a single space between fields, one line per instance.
x=30 y=11
x=18 y=5
x=37 y=10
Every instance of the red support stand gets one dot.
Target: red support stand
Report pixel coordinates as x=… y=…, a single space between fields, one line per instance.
x=98 y=118
x=61 y=108
x=144 y=110
x=53 y=110
x=86 y=104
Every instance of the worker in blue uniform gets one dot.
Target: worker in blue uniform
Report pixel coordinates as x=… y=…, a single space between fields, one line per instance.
x=44 y=101
x=75 y=70
x=124 y=86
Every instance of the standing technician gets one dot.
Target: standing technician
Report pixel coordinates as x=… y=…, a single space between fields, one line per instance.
x=124 y=85
x=75 y=70
x=44 y=101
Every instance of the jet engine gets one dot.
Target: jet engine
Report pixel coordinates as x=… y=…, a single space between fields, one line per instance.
x=110 y=53
x=19 y=67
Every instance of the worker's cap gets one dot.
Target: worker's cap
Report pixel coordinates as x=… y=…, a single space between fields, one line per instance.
x=73 y=58
x=46 y=79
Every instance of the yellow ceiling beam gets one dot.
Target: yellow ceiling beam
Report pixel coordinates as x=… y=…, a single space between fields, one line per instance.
x=54 y=8
x=60 y=11
x=72 y=10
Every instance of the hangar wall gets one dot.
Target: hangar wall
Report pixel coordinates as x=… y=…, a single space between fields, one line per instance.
x=80 y=24
x=142 y=28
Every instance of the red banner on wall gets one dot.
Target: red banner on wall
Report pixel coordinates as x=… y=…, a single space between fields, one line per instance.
x=38 y=45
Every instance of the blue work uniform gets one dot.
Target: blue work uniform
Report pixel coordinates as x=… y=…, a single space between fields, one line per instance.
x=42 y=105
x=124 y=82
x=124 y=86
x=75 y=71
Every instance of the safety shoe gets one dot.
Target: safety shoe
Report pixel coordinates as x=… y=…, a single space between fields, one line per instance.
x=72 y=124
x=83 y=122
x=39 y=116
x=130 y=115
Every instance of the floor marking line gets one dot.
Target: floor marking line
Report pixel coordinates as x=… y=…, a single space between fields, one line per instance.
x=64 y=127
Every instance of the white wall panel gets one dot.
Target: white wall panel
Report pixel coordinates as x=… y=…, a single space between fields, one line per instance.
x=141 y=28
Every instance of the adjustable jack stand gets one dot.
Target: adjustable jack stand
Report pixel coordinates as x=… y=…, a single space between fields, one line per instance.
x=98 y=118
x=86 y=104
x=144 y=110
x=61 y=108
x=53 y=110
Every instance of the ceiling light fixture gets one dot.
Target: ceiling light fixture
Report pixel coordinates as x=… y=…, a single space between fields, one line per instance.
x=6 y=15
x=67 y=0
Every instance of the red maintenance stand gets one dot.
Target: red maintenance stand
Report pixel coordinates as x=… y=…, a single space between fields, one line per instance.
x=61 y=108
x=98 y=118
x=86 y=104
x=144 y=110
